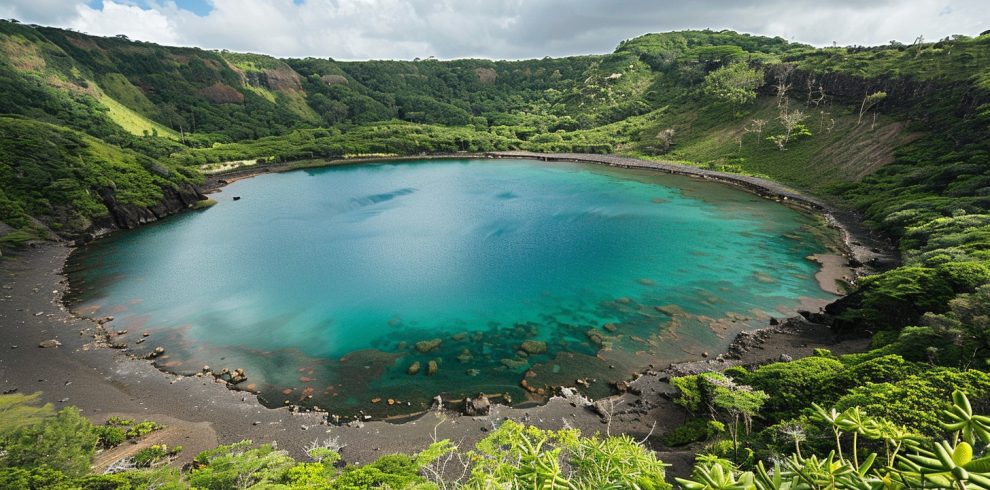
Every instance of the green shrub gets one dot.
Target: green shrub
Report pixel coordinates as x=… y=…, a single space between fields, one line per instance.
x=110 y=436
x=794 y=384
x=901 y=296
x=38 y=477
x=103 y=482
x=32 y=436
x=694 y=430
x=390 y=471
x=918 y=400
x=516 y=456
x=884 y=369
x=154 y=454
x=142 y=429
x=239 y=464
x=689 y=392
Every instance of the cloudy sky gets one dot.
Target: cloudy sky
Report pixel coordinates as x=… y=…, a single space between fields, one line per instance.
x=502 y=29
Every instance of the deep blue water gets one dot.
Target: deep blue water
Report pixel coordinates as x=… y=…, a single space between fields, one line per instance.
x=322 y=281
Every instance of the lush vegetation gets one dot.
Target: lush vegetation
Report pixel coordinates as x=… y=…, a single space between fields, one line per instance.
x=40 y=448
x=900 y=133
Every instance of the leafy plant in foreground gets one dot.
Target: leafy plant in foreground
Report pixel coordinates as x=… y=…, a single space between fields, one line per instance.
x=957 y=465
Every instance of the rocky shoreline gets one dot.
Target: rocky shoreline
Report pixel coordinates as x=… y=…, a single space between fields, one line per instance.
x=74 y=370
x=102 y=381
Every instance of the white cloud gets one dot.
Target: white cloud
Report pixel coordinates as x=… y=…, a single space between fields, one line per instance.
x=117 y=18
x=403 y=29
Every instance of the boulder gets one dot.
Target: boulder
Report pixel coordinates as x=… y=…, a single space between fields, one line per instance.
x=595 y=336
x=603 y=407
x=424 y=346
x=533 y=347
x=477 y=406
x=414 y=368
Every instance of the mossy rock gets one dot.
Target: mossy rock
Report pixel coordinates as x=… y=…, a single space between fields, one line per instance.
x=595 y=336
x=414 y=368
x=424 y=346
x=205 y=203
x=514 y=364
x=533 y=347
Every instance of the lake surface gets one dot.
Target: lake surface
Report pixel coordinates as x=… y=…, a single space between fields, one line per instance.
x=320 y=283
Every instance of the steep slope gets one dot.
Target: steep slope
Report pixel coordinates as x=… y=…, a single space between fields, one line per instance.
x=58 y=180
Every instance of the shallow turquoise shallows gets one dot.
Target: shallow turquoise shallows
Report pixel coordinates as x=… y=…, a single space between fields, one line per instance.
x=338 y=286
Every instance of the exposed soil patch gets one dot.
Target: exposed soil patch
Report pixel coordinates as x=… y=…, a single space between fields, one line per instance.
x=221 y=93
x=866 y=150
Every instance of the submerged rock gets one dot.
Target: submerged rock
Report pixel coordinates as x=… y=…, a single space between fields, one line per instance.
x=49 y=344
x=424 y=346
x=595 y=336
x=431 y=368
x=514 y=363
x=533 y=347
x=414 y=368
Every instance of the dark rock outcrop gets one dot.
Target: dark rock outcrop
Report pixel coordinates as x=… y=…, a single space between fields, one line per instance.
x=128 y=216
x=477 y=406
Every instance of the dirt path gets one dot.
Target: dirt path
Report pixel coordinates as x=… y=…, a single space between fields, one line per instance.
x=194 y=437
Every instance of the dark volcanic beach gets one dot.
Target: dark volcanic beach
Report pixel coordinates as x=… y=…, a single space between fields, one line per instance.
x=201 y=412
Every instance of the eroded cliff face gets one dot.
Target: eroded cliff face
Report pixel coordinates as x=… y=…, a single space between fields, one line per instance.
x=129 y=216
x=903 y=93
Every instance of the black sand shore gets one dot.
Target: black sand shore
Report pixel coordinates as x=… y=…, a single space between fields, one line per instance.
x=202 y=412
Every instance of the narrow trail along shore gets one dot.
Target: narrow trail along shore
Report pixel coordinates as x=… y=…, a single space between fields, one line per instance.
x=203 y=412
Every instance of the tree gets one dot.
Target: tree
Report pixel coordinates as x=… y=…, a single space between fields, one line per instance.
x=755 y=126
x=735 y=83
x=31 y=436
x=782 y=74
x=869 y=102
x=790 y=121
x=666 y=138
x=737 y=401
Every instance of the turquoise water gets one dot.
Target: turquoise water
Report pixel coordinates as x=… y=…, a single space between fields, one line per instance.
x=319 y=283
